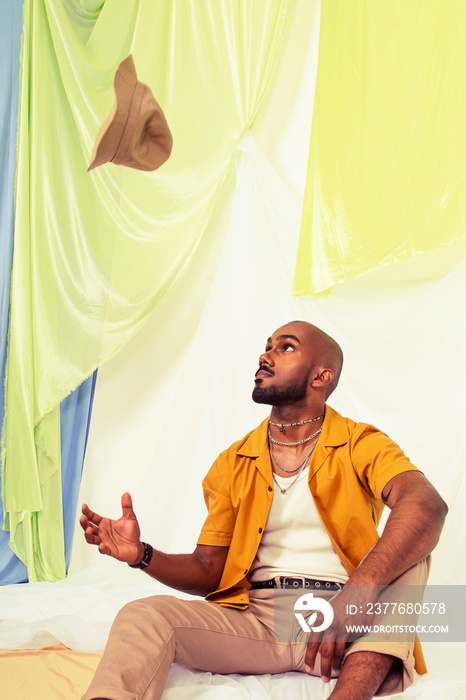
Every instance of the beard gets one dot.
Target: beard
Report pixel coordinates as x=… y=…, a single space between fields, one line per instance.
x=282 y=395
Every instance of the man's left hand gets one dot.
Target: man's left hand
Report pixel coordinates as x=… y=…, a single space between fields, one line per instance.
x=332 y=642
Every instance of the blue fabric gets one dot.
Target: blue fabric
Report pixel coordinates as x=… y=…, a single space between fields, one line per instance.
x=75 y=418
x=11 y=569
x=75 y=411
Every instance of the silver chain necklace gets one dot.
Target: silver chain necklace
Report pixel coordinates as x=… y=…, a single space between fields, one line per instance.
x=292 y=444
x=282 y=426
x=282 y=490
x=289 y=471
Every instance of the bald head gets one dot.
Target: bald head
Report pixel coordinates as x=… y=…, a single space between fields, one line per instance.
x=300 y=367
x=324 y=351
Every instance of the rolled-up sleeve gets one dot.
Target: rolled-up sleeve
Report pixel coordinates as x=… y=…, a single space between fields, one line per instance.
x=377 y=459
x=220 y=522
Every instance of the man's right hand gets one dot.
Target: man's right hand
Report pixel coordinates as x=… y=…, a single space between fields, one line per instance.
x=116 y=538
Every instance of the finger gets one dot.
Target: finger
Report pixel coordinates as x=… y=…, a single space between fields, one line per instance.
x=326 y=655
x=90 y=515
x=311 y=654
x=91 y=532
x=92 y=536
x=338 y=654
x=103 y=549
x=127 y=506
x=85 y=523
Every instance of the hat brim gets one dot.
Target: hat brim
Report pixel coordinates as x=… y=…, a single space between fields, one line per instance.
x=111 y=132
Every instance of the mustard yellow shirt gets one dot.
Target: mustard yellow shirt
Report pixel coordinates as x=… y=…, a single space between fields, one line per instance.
x=349 y=468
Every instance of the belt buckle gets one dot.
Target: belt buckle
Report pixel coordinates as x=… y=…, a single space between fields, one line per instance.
x=300 y=578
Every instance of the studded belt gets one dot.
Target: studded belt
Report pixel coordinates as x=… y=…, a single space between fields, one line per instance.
x=298 y=582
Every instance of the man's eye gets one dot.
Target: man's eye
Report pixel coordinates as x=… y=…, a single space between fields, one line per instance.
x=288 y=347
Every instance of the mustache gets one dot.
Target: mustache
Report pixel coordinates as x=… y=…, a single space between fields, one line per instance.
x=264 y=368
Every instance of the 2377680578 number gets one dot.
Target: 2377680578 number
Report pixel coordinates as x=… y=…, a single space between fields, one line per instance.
x=398 y=608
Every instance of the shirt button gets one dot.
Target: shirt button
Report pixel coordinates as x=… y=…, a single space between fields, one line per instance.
x=270 y=488
x=260 y=530
x=246 y=571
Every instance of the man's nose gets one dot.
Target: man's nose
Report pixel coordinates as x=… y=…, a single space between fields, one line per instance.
x=265 y=359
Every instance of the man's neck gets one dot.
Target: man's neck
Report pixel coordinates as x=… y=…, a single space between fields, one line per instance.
x=293 y=423
x=296 y=413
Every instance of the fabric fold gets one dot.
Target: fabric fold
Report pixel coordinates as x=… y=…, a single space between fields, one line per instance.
x=96 y=253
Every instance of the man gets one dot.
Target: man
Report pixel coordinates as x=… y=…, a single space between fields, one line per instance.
x=295 y=503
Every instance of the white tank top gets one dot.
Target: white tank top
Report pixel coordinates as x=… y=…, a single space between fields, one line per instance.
x=295 y=541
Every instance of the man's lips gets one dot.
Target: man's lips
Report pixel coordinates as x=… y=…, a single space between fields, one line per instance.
x=263 y=372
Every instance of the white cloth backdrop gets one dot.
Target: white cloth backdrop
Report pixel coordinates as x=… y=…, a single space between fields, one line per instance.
x=179 y=393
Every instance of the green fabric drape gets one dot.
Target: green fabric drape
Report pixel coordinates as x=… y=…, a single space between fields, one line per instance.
x=96 y=252
x=386 y=175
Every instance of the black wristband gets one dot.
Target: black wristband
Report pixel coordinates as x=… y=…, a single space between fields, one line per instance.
x=146 y=558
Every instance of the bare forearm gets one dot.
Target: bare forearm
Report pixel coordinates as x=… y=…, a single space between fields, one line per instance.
x=191 y=573
x=411 y=533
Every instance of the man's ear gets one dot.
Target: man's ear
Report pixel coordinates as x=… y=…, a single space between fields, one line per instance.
x=322 y=378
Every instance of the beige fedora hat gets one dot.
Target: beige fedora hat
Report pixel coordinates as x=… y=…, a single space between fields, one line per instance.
x=135 y=133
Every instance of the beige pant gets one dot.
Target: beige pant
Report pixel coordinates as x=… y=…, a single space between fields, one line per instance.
x=148 y=635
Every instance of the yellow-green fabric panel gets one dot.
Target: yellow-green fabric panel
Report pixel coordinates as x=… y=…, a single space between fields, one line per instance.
x=387 y=168
x=96 y=252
